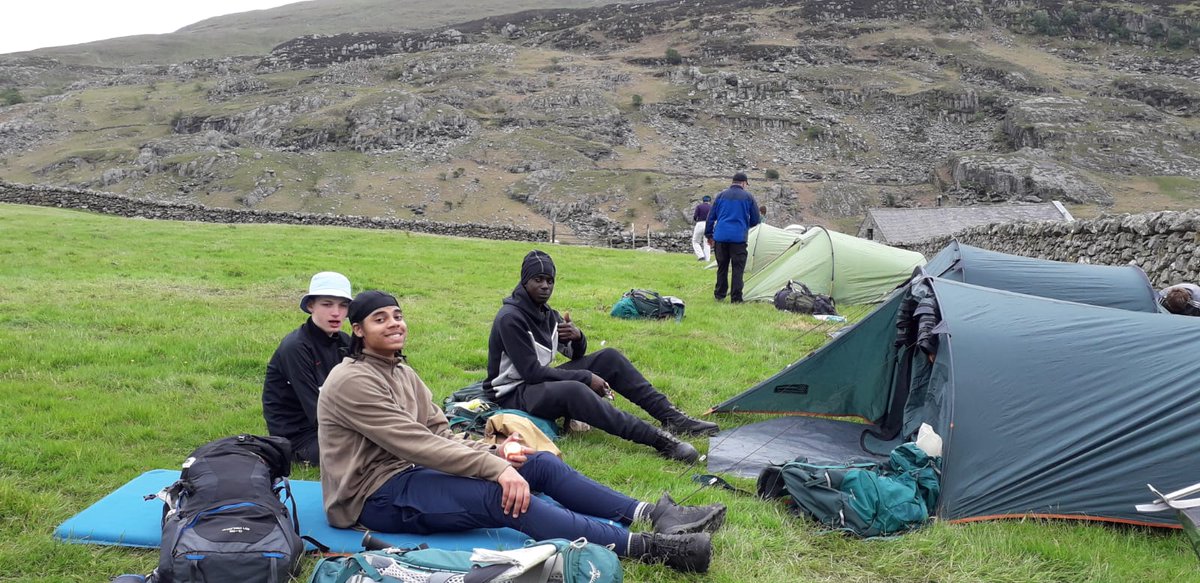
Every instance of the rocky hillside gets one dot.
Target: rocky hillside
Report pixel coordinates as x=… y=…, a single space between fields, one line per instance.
x=601 y=119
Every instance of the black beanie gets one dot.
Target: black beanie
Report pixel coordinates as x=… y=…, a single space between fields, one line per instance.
x=536 y=263
x=366 y=302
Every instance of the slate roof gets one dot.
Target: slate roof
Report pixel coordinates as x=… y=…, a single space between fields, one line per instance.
x=906 y=226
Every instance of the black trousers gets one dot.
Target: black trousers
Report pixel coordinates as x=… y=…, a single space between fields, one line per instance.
x=575 y=400
x=306 y=450
x=729 y=255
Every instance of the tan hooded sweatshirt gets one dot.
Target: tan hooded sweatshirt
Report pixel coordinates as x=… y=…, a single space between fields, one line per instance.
x=375 y=419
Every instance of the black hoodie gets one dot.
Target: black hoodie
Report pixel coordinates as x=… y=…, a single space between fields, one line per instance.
x=522 y=344
x=294 y=378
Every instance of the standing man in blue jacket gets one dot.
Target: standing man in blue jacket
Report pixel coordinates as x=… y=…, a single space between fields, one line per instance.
x=733 y=214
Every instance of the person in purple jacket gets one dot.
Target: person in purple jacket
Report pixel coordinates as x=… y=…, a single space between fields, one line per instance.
x=733 y=214
x=525 y=336
x=700 y=217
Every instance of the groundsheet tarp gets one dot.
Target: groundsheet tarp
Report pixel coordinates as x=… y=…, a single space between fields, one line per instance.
x=746 y=450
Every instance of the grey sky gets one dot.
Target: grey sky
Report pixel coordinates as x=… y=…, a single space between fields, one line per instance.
x=33 y=24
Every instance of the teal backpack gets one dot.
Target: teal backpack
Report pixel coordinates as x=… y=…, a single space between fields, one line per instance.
x=867 y=499
x=568 y=562
x=643 y=303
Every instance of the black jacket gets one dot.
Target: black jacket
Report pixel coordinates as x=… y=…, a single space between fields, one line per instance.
x=294 y=378
x=522 y=343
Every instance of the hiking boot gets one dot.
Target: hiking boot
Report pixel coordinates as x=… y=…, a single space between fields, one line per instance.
x=671 y=447
x=671 y=518
x=689 y=553
x=679 y=423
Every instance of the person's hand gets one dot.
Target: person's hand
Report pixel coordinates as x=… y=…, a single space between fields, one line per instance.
x=600 y=386
x=514 y=492
x=711 y=244
x=515 y=451
x=568 y=331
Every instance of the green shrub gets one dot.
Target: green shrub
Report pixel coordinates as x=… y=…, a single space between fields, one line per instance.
x=772 y=174
x=673 y=57
x=637 y=101
x=1068 y=18
x=1041 y=21
x=11 y=96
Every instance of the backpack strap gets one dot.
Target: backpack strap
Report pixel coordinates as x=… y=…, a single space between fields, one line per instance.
x=287 y=489
x=475 y=575
x=321 y=547
x=356 y=564
x=549 y=567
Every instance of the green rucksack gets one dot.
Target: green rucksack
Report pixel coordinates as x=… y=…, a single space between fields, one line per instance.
x=567 y=562
x=868 y=499
x=643 y=303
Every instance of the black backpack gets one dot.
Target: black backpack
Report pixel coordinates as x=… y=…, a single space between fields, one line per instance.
x=796 y=297
x=224 y=520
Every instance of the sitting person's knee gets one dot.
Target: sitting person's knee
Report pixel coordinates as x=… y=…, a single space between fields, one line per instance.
x=578 y=390
x=542 y=458
x=611 y=355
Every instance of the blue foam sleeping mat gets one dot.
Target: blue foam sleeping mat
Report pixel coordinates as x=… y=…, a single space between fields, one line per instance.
x=125 y=518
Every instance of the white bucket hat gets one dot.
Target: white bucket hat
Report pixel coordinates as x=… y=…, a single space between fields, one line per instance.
x=326 y=283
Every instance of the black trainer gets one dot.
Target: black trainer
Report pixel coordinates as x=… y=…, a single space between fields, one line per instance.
x=671 y=518
x=679 y=423
x=671 y=447
x=689 y=553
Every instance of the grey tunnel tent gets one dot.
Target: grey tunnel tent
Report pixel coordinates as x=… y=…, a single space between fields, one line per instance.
x=1115 y=286
x=1046 y=407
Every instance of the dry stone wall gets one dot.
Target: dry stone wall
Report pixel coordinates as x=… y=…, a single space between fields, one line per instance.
x=1164 y=244
x=115 y=204
x=124 y=206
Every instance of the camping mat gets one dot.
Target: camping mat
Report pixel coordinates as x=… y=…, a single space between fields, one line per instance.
x=746 y=450
x=124 y=518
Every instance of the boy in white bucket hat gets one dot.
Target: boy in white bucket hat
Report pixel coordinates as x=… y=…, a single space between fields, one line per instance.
x=303 y=360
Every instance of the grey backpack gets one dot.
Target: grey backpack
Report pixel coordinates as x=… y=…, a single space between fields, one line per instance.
x=224 y=520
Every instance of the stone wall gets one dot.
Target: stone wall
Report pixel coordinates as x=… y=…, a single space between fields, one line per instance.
x=1164 y=244
x=124 y=206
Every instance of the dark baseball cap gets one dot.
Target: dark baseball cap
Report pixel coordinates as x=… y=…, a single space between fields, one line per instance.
x=740 y=177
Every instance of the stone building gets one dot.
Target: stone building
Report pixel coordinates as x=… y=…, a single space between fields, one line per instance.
x=910 y=227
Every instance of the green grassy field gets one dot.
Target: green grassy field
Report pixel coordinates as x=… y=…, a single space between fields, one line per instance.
x=127 y=343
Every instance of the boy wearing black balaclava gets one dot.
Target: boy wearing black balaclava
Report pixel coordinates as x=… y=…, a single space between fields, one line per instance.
x=525 y=335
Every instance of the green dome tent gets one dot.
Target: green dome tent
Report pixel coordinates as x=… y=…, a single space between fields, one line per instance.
x=1046 y=407
x=851 y=270
x=765 y=243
